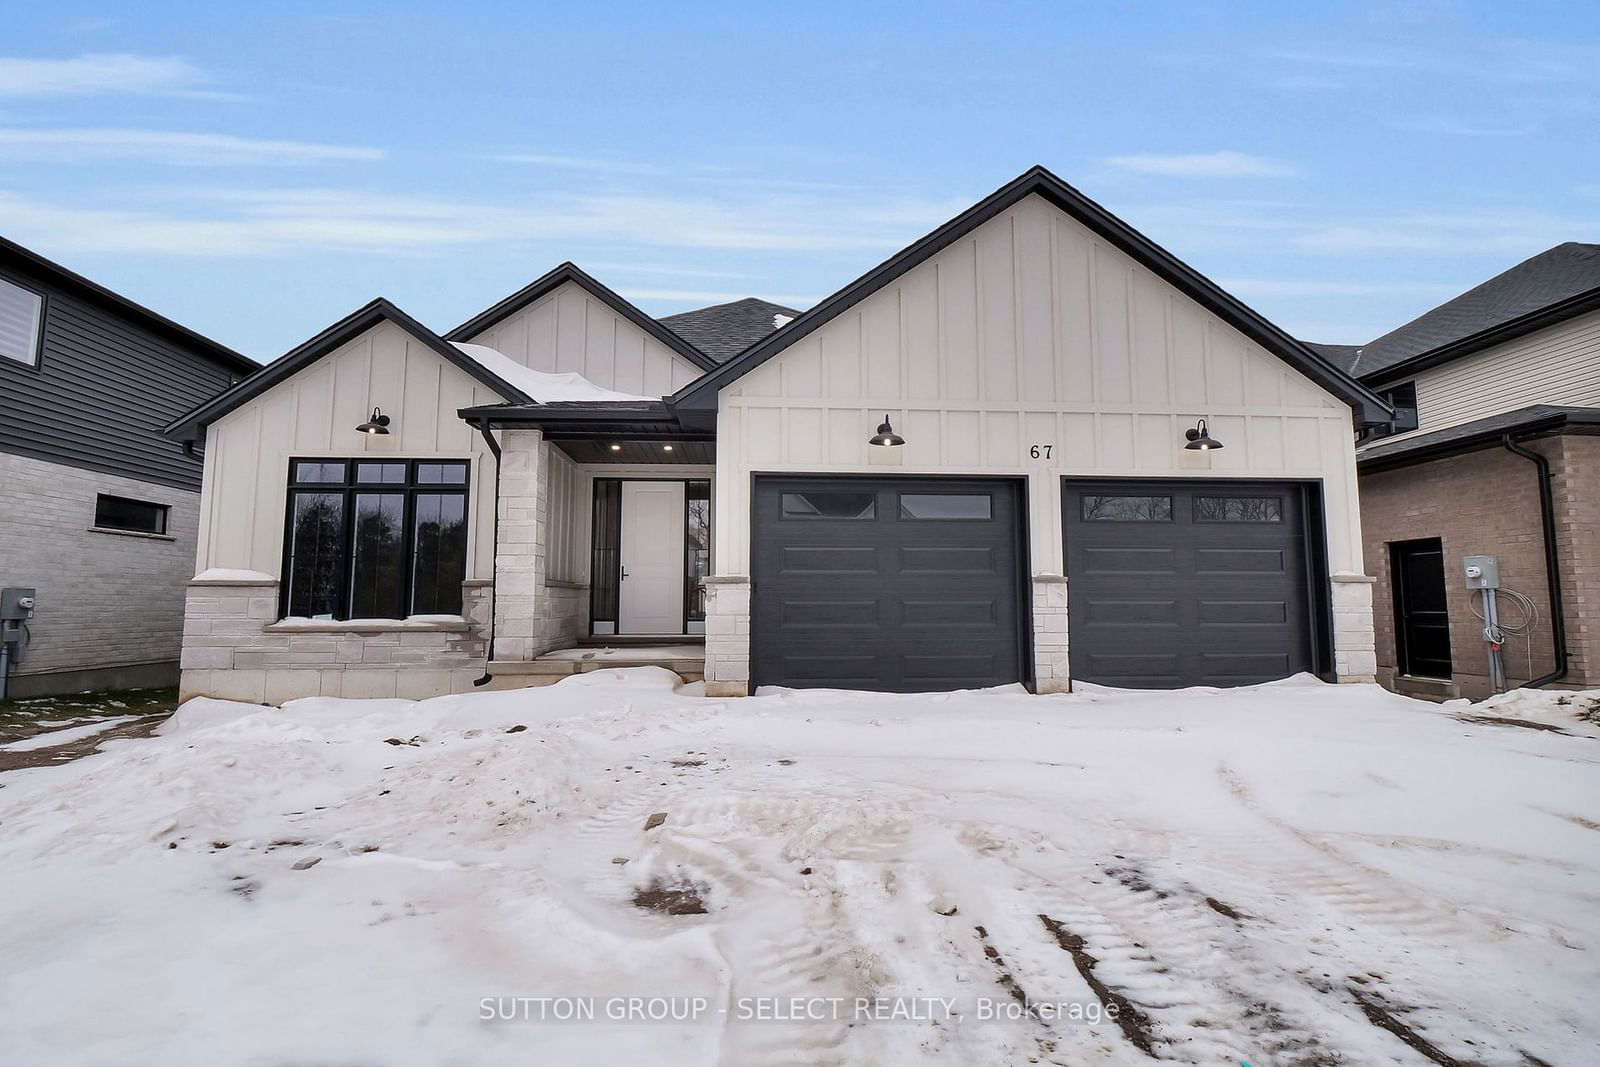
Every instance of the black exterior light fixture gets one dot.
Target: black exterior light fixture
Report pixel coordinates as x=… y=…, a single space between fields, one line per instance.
x=378 y=425
x=886 y=435
x=1200 y=439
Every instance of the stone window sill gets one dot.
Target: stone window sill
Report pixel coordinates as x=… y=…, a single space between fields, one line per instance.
x=131 y=533
x=426 y=625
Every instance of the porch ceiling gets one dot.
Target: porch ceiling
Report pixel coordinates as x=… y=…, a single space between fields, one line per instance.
x=601 y=451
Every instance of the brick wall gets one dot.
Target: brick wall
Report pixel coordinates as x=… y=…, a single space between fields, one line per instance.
x=110 y=604
x=1487 y=502
x=1577 y=487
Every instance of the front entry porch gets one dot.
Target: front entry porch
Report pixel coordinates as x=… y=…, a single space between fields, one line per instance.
x=687 y=660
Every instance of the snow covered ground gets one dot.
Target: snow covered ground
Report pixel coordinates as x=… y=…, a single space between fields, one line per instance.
x=1296 y=873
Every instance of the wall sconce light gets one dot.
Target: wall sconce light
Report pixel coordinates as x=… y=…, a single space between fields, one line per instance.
x=1200 y=439
x=886 y=435
x=378 y=425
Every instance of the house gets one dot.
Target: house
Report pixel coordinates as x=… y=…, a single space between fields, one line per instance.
x=893 y=490
x=1494 y=453
x=98 y=511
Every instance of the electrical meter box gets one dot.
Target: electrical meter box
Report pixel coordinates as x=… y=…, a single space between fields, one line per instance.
x=16 y=604
x=1483 y=572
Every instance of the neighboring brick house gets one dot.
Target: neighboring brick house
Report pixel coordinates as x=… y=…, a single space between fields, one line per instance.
x=1509 y=368
x=98 y=511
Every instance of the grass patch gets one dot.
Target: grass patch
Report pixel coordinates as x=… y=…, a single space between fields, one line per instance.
x=25 y=716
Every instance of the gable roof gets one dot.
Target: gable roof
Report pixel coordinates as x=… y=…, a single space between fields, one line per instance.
x=27 y=260
x=701 y=395
x=191 y=425
x=1556 y=284
x=722 y=331
x=561 y=275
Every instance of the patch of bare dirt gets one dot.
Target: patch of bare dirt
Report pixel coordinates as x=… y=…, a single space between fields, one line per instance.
x=1385 y=1018
x=1135 y=1024
x=84 y=746
x=676 y=898
x=1526 y=724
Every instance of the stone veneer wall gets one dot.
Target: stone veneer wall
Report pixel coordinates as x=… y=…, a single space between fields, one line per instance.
x=1052 y=670
x=235 y=648
x=727 y=635
x=532 y=613
x=1354 y=656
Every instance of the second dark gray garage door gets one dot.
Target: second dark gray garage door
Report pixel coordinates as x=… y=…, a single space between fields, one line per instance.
x=901 y=585
x=1187 y=583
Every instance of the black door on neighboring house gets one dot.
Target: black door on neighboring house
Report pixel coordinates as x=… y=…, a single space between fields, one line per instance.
x=1421 y=611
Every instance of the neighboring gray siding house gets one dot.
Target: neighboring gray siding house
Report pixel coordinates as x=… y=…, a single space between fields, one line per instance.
x=98 y=510
x=1496 y=452
x=389 y=511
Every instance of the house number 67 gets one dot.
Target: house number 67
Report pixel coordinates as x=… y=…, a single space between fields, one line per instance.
x=1040 y=451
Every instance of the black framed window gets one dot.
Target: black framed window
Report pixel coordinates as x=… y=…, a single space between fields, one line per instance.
x=1403 y=398
x=946 y=506
x=134 y=516
x=375 y=539
x=696 y=548
x=21 y=323
x=830 y=504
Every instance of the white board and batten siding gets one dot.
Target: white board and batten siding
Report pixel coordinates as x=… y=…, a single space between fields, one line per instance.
x=568 y=329
x=1556 y=365
x=314 y=414
x=1031 y=333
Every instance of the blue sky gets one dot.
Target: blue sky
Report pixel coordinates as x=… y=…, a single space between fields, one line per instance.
x=258 y=172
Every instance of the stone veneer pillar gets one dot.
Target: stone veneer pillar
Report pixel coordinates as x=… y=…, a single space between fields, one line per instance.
x=1052 y=672
x=519 y=562
x=727 y=635
x=1355 y=657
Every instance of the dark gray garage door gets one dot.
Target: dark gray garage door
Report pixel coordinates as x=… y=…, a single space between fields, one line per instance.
x=1186 y=583
x=902 y=585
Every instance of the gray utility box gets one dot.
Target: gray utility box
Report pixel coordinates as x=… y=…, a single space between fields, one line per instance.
x=1483 y=572
x=16 y=604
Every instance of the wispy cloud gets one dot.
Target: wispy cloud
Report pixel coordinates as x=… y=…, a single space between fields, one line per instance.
x=164 y=146
x=1223 y=164
x=583 y=163
x=269 y=221
x=99 y=74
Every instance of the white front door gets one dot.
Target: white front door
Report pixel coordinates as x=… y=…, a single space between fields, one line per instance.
x=652 y=558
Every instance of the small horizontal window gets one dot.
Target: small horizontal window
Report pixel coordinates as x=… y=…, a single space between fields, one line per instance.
x=1238 y=509
x=319 y=472
x=830 y=505
x=135 y=516
x=381 y=473
x=946 y=506
x=21 y=320
x=441 y=473
x=1127 y=508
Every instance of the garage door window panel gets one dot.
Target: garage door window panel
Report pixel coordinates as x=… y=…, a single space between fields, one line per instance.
x=830 y=505
x=1098 y=508
x=947 y=507
x=1238 y=509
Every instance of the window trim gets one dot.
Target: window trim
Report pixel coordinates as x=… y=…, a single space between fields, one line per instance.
x=348 y=488
x=165 y=511
x=38 y=335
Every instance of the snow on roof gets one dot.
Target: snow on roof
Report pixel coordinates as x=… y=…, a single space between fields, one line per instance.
x=545 y=388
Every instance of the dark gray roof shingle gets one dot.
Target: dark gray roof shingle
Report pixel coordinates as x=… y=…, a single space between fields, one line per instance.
x=1341 y=356
x=1552 y=276
x=722 y=331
